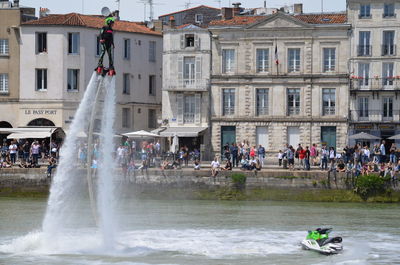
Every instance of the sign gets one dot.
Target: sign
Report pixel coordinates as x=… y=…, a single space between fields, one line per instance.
x=40 y=112
x=386 y=126
x=363 y=126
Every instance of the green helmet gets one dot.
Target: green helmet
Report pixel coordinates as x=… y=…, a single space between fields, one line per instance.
x=109 y=20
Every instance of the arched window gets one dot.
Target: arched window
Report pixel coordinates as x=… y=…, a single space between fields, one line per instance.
x=41 y=122
x=4 y=124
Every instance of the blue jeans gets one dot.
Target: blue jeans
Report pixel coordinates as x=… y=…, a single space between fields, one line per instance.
x=307 y=163
x=393 y=158
x=324 y=163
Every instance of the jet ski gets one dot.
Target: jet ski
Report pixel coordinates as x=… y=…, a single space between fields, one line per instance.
x=318 y=240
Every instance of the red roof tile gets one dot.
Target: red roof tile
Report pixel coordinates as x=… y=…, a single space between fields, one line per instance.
x=337 y=18
x=79 y=20
x=334 y=18
x=189 y=9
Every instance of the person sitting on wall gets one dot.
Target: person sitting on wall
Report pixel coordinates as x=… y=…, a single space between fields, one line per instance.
x=196 y=165
x=52 y=164
x=257 y=165
x=228 y=165
x=215 y=165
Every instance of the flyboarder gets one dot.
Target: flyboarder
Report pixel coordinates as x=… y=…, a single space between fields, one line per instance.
x=107 y=44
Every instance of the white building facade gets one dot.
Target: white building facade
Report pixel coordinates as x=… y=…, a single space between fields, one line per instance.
x=374 y=66
x=186 y=79
x=302 y=99
x=58 y=56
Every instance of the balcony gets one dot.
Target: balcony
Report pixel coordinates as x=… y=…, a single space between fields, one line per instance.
x=388 y=50
x=374 y=116
x=364 y=50
x=387 y=83
x=186 y=85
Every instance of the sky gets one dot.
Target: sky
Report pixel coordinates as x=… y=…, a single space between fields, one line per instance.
x=133 y=10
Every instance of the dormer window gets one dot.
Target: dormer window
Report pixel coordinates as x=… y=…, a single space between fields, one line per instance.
x=198 y=18
x=189 y=40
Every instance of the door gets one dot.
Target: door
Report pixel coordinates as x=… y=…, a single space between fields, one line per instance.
x=293 y=135
x=228 y=136
x=262 y=136
x=328 y=136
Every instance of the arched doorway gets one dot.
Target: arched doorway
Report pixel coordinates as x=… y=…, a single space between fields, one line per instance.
x=41 y=122
x=4 y=124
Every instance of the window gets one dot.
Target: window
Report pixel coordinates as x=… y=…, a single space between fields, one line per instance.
x=127 y=84
x=99 y=47
x=262 y=102
x=363 y=72
x=365 y=11
x=293 y=98
x=388 y=47
x=4 y=83
x=364 y=47
x=41 y=42
x=126 y=118
x=152 y=51
x=189 y=70
x=329 y=101
x=387 y=74
x=73 y=77
x=127 y=49
x=73 y=43
x=363 y=107
x=152 y=118
x=293 y=59
x=329 y=59
x=189 y=109
x=228 y=98
x=41 y=79
x=262 y=60
x=199 y=18
x=388 y=10
x=228 y=60
x=189 y=40
x=152 y=85
x=388 y=107
x=4 y=47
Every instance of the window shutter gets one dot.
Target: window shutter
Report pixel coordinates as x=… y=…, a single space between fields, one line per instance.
x=197 y=108
x=182 y=41
x=198 y=69
x=179 y=98
x=197 y=41
x=180 y=69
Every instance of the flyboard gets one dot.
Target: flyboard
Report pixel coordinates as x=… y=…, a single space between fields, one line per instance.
x=103 y=74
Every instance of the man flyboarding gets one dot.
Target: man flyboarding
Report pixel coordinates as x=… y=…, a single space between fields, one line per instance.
x=107 y=44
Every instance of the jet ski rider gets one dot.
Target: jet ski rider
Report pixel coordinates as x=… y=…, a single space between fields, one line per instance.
x=107 y=43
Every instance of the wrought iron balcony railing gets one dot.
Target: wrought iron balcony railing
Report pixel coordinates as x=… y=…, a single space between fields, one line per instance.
x=386 y=83
x=186 y=84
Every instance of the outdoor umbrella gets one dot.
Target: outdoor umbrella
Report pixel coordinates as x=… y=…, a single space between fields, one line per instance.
x=175 y=144
x=395 y=137
x=363 y=136
x=141 y=134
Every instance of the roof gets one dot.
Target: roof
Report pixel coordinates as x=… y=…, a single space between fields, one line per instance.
x=188 y=26
x=328 y=18
x=90 y=21
x=201 y=6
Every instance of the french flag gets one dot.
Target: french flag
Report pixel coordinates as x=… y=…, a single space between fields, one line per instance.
x=276 y=54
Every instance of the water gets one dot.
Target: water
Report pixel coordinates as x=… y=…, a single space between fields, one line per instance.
x=205 y=232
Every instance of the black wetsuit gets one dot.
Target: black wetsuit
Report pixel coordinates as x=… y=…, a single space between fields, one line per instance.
x=107 y=43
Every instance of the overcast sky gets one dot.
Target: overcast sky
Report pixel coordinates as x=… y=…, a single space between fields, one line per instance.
x=134 y=9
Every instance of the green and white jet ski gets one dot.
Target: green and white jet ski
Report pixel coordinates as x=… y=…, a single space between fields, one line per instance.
x=319 y=241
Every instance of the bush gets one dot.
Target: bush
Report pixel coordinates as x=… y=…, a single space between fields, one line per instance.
x=370 y=185
x=239 y=180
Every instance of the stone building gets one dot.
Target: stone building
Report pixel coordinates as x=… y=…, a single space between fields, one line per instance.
x=301 y=99
x=186 y=79
x=199 y=15
x=58 y=56
x=11 y=17
x=374 y=67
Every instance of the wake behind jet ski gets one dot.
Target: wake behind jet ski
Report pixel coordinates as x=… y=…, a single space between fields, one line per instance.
x=319 y=241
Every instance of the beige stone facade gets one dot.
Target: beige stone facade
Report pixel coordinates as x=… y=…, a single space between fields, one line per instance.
x=273 y=119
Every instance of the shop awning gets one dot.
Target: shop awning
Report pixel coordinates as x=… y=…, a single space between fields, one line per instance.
x=30 y=133
x=183 y=131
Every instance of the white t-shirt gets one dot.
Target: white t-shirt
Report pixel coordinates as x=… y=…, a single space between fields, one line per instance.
x=13 y=148
x=215 y=164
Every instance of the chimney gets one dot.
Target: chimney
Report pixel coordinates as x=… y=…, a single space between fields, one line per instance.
x=265 y=3
x=16 y=3
x=116 y=14
x=298 y=8
x=43 y=12
x=236 y=8
x=172 y=22
x=227 y=13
